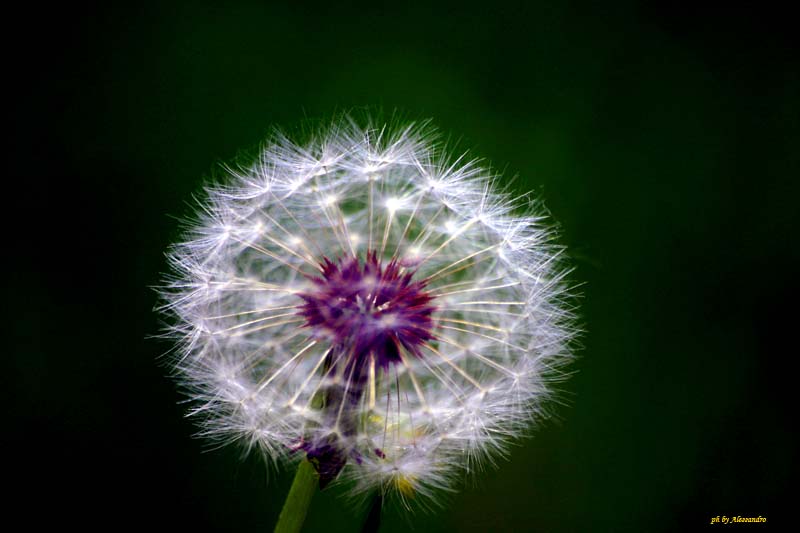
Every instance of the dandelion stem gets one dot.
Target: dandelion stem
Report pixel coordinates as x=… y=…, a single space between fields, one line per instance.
x=373 y=521
x=297 y=502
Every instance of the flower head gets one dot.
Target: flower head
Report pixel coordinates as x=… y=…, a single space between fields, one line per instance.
x=367 y=302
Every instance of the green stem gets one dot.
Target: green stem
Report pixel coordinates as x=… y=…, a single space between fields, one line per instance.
x=373 y=521
x=297 y=502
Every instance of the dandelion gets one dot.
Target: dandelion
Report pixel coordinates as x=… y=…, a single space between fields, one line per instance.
x=366 y=303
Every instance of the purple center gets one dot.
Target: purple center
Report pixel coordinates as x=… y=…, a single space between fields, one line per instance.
x=368 y=310
x=370 y=313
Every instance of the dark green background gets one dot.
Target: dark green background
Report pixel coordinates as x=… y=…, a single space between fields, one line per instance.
x=664 y=140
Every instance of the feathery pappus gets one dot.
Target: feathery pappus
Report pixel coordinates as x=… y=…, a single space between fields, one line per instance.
x=368 y=302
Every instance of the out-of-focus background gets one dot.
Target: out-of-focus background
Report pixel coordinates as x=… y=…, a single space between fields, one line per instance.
x=663 y=140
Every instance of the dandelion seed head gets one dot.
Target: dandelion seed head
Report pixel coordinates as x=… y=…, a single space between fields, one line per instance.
x=372 y=303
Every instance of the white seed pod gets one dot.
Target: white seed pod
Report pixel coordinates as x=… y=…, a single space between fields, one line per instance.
x=366 y=302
